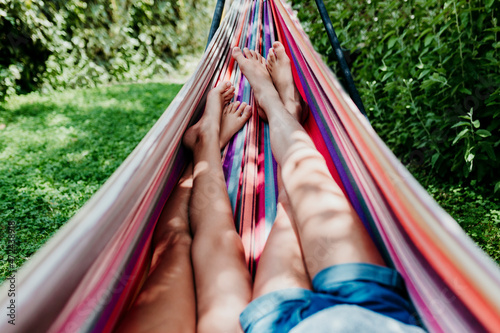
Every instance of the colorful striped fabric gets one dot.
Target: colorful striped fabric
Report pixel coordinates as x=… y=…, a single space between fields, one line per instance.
x=90 y=271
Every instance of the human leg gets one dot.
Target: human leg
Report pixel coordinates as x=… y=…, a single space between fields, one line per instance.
x=344 y=263
x=329 y=229
x=166 y=302
x=223 y=284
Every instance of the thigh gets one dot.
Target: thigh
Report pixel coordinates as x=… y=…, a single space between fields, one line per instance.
x=329 y=229
x=166 y=302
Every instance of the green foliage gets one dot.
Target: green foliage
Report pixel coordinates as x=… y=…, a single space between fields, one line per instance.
x=57 y=150
x=429 y=75
x=71 y=43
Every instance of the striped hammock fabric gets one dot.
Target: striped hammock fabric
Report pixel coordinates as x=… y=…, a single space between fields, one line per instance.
x=88 y=274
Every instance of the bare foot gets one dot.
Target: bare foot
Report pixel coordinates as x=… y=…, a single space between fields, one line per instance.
x=209 y=124
x=234 y=116
x=253 y=66
x=280 y=69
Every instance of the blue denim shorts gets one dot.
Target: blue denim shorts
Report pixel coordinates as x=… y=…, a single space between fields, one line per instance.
x=376 y=288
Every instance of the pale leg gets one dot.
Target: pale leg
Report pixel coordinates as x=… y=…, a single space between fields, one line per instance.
x=330 y=231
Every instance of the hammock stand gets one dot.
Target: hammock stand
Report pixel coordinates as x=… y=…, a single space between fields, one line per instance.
x=90 y=271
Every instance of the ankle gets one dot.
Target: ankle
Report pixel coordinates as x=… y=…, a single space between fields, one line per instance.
x=207 y=136
x=269 y=100
x=277 y=113
x=199 y=136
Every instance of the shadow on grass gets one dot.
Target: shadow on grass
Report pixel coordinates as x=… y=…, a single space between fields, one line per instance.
x=57 y=150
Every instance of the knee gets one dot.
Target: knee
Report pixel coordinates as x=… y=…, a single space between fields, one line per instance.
x=232 y=241
x=305 y=162
x=172 y=230
x=170 y=244
x=177 y=225
x=173 y=239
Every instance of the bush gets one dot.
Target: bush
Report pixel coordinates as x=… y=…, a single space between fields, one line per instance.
x=428 y=73
x=68 y=43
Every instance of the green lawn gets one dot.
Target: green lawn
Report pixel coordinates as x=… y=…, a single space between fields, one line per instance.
x=56 y=150
x=476 y=209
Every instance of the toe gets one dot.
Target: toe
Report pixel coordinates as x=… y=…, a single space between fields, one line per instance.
x=223 y=87
x=228 y=94
x=247 y=112
x=234 y=106
x=278 y=47
x=247 y=53
x=272 y=56
x=241 y=107
x=280 y=52
x=262 y=60
x=237 y=54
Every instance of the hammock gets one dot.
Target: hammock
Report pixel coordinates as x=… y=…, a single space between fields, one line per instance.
x=88 y=274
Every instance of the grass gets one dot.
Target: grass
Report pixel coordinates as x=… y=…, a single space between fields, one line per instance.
x=476 y=209
x=57 y=150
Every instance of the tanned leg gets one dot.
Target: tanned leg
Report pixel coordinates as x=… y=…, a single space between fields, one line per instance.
x=223 y=283
x=329 y=230
x=166 y=302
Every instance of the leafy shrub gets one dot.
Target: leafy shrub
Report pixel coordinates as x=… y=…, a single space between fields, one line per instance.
x=69 y=43
x=428 y=72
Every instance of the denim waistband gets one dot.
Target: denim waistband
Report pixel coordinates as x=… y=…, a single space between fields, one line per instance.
x=268 y=302
x=357 y=272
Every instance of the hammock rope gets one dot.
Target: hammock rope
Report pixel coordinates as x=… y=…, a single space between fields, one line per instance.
x=88 y=274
